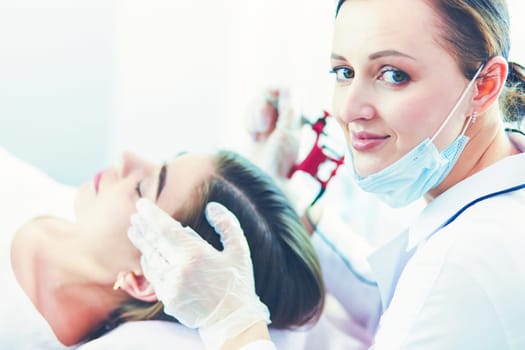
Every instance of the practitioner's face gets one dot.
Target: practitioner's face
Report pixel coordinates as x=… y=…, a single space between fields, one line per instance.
x=396 y=81
x=104 y=205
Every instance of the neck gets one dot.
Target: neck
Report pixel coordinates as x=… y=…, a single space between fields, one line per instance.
x=57 y=280
x=487 y=144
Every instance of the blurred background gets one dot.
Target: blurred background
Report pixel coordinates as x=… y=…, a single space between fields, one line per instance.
x=84 y=80
x=80 y=81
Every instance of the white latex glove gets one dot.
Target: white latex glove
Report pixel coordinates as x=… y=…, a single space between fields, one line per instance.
x=282 y=150
x=263 y=115
x=200 y=286
x=272 y=109
x=275 y=130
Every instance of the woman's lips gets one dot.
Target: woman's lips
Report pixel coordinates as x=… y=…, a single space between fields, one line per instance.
x=96 y=180
x=364 y=141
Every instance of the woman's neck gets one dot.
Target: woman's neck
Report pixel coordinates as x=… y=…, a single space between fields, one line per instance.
x=64 y=286
x=487 y=144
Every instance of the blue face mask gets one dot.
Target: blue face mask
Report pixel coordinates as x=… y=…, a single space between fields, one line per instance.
x=420 y=170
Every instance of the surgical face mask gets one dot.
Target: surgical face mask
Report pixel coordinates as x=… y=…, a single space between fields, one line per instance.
x=420 y=170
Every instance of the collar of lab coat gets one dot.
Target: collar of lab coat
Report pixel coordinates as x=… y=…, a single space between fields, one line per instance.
x=389 y=260
x=507 y=173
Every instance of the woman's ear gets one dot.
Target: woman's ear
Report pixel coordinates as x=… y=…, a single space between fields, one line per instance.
x=490 y=83
x=136 y=285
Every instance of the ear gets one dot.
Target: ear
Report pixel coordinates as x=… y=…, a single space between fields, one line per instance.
x=490 y=83
x=136 y=285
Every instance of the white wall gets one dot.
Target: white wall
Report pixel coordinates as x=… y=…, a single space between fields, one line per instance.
x=56 y=63
x=517 y=34
x=87 y=79
x=186 y=71
x=171 y=76
x=280 y=43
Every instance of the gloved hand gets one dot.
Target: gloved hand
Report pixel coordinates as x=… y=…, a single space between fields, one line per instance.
x=200 y=286
x=281 y=153
x=263 y=115
x=275 y=130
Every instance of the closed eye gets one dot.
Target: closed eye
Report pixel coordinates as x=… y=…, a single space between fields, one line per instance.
x=137 y=188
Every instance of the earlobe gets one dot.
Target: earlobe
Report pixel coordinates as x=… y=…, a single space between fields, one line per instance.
x=136 y=285
x=490 y=83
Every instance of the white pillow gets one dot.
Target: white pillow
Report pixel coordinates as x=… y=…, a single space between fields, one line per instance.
x=164 y=335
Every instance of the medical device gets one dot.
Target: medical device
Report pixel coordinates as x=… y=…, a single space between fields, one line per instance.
x=319 y=156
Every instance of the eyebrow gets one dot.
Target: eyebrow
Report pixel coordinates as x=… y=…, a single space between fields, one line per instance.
x=337 y=57
x=162 y=179
x=384 y=53
x=376 y=55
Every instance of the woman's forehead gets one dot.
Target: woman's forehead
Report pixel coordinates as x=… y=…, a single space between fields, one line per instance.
x=367 y=26
x=184 y=175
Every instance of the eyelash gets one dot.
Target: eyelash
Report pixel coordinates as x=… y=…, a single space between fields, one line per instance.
x=341 y=69
x=137 y=188
x=390 y=69
x=384 y=70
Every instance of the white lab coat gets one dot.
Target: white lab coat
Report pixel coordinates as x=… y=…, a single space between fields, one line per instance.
x=343 y=240
x=464 y=287
x=455 y=279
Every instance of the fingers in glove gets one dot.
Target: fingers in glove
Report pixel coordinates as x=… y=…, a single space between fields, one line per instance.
x=156 y=218
x=158 y=221
x=160 y=237
x=226 y=225
x=155 y=222
x=139 y=241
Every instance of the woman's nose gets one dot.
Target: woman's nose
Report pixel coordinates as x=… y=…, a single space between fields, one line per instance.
x=353 y=103
x=130 y=163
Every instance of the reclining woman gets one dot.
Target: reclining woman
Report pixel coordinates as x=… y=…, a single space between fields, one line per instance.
x=83 y=276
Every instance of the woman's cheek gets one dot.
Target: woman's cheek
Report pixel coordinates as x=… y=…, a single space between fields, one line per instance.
x=121 y=218
x=403 y=114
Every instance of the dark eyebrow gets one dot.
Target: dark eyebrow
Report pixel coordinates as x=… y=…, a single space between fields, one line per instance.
x=337 y=57
x=162 y=179
x=384 y=53
x=376 y=55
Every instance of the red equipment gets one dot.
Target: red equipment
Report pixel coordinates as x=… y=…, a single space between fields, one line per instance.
x=317 y=156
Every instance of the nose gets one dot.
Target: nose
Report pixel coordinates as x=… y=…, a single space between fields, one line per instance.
x=130 y=163
x=353 y=102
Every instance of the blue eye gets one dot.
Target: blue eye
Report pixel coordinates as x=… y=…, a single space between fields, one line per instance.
x=343 y=74
x=394 y=76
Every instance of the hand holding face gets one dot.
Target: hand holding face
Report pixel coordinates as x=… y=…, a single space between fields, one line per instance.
x=200 y=286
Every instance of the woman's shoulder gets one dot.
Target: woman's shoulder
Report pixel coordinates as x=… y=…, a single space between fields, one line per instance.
x=26 y=192
x=472 y=271
x=488 y=234
x=483 y=242
x=498 y=217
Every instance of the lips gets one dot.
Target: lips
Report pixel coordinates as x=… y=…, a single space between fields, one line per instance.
x=364 y=141
x=96 y=180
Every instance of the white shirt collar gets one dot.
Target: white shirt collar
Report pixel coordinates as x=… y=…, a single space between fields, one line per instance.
x=504 y=174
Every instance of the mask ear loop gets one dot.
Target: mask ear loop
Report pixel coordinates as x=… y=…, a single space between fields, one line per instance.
x=472 y=119
x=467 y=89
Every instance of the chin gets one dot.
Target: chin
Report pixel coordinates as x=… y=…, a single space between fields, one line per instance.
x=82 y=198
x=364 y=169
